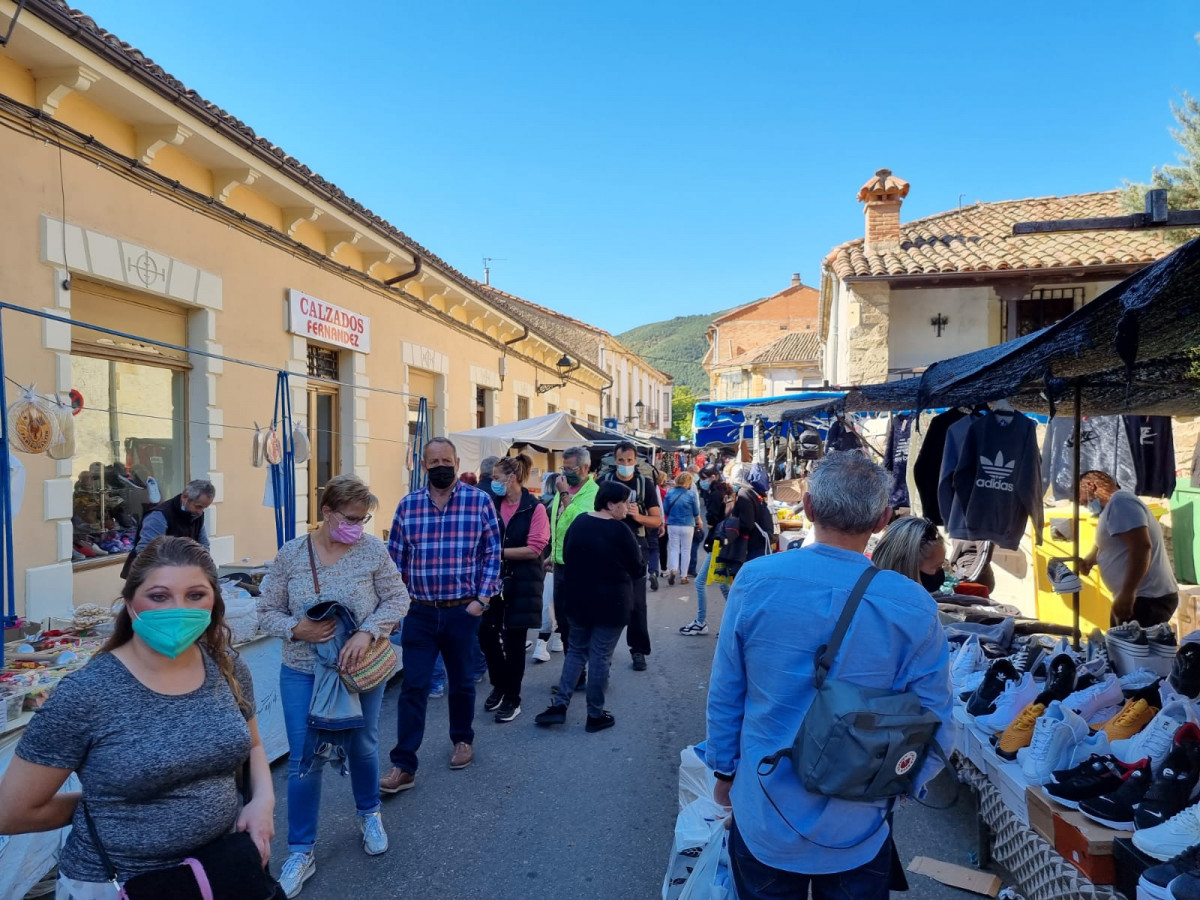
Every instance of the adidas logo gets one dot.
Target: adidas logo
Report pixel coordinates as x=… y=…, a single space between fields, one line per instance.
x=998 y=471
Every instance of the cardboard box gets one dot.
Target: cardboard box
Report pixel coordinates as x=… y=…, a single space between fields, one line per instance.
x=960 y=877
x=1086 y=845
x=1130 y=863
x=1041 y=810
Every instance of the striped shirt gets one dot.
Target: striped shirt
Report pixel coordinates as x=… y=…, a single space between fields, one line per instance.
x=450 y=553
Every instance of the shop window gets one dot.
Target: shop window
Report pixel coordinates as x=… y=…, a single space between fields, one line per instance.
x=1045 y=306
x=522 y=408
x=130 y=440
x=324 y=429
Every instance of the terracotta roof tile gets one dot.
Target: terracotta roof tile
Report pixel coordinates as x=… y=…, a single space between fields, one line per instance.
x=794 y=347
x=979 y=238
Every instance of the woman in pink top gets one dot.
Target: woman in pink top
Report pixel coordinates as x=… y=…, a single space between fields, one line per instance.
x=525 y=536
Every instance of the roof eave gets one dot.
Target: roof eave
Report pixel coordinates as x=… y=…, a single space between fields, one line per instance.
x=1077 y=273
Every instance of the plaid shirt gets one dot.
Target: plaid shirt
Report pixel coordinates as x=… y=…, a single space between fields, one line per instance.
x=451 y=553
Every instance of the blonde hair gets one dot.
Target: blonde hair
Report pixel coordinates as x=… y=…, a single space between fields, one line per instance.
x=904 y=544
x=517 y=466
x=684 y=479
x=347 y=490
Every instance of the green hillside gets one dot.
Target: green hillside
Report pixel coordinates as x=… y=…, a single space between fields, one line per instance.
x=675 y=346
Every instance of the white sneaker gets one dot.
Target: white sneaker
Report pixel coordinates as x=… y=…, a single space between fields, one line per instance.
x=1092 y=699
x=1138 y=679
x=968 y=659
x=297 y=869
x=1017 y=695
x=1092 y=745
x=1154 y=741
x=1172 y=837
x=541 y=653
x=1055 y=735
x=375 y=839
x=556 y=643
x=694 y=628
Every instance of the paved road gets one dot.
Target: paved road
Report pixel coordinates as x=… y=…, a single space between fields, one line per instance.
x=559 y=812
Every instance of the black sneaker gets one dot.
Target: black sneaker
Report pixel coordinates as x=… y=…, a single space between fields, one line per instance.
x=639 y=662
x=1100 y=775
x=551 y=715
x=1171 y=790
x=1155 y=879
x=653 y=582
x=508 y=711
x=1150 y=693
x=983 y=701
x=1060 y=677
x=1185 y=671
x=493 y=701
x=1116 y=809
x=599 y=723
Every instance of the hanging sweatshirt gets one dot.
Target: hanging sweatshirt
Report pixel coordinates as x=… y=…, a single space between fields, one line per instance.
x=895 y=457
x=1103 y=446
x=842 y=436
x=998 y=481
x=916 y=439
x=948 y=508
x=1153 y=445
x=927 y=469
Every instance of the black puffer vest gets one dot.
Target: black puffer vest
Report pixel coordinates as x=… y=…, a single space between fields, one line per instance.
x=180 y=523
x=522 y=579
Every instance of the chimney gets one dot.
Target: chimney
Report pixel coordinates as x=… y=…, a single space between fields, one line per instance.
x=796 y=279
x=883 y=195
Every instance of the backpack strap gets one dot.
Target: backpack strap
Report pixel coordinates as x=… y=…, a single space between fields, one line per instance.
x=827 y=653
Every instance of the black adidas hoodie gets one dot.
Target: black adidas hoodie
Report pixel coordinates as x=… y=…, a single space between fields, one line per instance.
x=998 y=481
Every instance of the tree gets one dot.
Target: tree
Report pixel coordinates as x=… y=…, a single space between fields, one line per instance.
x=683 y=403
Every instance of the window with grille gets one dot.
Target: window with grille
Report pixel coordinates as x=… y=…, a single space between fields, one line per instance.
x=522 y=408
x=1045 y=306
x=323 y=362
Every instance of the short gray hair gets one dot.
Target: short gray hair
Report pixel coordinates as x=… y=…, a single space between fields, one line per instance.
x=439 y=440
x=849 y=492
x=580 y=454
x=485 y=467
x=200 y=487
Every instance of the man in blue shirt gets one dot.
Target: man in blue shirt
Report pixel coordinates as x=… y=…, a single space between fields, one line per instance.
x=781 y=610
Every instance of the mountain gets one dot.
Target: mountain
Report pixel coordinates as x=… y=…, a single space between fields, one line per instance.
x=675 y=346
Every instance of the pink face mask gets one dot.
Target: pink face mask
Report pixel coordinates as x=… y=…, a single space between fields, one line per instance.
x=346 y=533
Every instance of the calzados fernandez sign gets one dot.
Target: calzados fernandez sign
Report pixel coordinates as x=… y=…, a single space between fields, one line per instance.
x=325 y=322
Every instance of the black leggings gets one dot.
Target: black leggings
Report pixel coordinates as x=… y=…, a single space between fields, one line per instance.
x=504 y=650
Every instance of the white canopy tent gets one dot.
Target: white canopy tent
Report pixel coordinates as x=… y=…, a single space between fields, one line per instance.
x=552 y=432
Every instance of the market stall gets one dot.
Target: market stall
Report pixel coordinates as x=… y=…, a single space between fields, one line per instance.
x=554 y=432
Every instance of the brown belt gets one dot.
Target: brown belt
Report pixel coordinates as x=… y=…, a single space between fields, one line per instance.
x=445 y=604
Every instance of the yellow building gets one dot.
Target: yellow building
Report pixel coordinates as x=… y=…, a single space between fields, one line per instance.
x=132 y=204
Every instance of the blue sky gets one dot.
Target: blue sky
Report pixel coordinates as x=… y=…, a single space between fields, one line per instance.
x=632 y=161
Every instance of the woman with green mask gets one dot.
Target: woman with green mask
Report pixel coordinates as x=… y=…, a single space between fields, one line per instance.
x=157 y=726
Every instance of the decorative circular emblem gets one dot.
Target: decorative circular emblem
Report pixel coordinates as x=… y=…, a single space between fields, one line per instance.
x=147 y=269
x=32 y=428
x=906 y=762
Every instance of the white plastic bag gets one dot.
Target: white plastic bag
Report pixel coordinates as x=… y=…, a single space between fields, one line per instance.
x=695 y=777
x=711 y=877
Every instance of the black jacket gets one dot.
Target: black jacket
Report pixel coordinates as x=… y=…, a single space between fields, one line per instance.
x=602 y=559
x=180 y=523
x=521 y=580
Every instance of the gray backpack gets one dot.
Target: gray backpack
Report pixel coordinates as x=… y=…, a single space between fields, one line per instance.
x=857 y=743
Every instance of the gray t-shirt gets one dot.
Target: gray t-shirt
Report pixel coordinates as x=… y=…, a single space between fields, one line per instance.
x=1125 y=512
x=157 y=770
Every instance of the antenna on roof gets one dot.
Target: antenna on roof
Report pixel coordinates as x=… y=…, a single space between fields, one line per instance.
x=487 y=267
x=960 y=200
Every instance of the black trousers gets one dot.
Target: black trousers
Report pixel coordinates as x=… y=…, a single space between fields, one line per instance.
x=560 y=604
x=504 y=650
x=1149 y=611
x=637 y=635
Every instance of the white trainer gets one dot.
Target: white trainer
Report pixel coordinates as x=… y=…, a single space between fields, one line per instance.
x=968 y=659
x=1099 y=696
x=375 y=839
x=1154 y=741
x=541 y=652
x=1092 y=745
x=556 y=645
x=1172 y=837
x=1017 y=695
x=1055 y=735
x=297 y=869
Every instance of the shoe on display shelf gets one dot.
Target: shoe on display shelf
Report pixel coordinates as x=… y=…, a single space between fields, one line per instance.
x=970 y=684
x=1107 y=714
x=1185 y=887
x=1100 y=695
x=1056 y=734
x=1179 y=833
x=1185 y=671
x=1116 y=809
x=1098 y=776
x=1015 y=697
x=1174 y=785
x=1138 y=679
x=1157 y=738
x=1019 y=732
x=1092 y=745
x=968 y=659
x=1133 y=717
x=1061 y=673
x=1154 y=880
x=983 y=701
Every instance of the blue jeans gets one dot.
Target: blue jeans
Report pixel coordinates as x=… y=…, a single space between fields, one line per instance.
x=428 y=631
x=756 y=881
x=304 y=794
x=591 y=647
x=702 y=590
x=697 y=540
x=438 y=681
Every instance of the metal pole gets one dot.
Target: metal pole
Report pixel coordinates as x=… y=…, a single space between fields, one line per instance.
x=1075 y=528
x=6 y=568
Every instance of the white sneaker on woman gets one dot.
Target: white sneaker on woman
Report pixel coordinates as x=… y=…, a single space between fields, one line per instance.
x=540 y=651
x=556 y=644
x=297 y=869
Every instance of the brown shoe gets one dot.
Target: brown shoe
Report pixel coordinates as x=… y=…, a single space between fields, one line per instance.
x=397 y=780
x=462 y=757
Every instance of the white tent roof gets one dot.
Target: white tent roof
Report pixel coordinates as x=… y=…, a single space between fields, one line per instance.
x=552 y=432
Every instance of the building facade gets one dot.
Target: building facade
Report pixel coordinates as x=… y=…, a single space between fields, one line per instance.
x=908 y=294
x=133 y=205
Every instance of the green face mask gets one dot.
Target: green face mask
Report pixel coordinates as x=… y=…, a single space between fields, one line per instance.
x=171 y=631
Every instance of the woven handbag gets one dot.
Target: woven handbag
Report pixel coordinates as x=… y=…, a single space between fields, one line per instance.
x=378 y=662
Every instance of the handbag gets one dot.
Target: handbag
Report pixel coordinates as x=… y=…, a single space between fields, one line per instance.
x=857 y=743
x=377 y=663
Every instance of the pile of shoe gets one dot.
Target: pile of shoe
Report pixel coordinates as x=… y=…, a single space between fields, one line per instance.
x=1185 y=668
x=1131 y=647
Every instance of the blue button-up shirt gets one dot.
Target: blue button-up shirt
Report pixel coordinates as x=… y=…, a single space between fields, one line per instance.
x=781 y=610
x=451 y=553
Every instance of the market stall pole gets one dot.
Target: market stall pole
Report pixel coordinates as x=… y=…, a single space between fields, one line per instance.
x=1075 y=517
x=9 y=619
x=283 y=473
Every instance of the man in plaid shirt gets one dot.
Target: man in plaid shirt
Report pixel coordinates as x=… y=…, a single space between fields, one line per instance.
x=445 y=540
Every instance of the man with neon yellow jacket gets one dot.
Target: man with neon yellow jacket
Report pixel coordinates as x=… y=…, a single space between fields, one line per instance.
x=575 y=493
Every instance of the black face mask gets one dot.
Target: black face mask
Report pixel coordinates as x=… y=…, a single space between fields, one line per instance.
x=441 y=477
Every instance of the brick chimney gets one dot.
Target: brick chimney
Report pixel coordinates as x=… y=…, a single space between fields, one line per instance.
x=796 y=279
x=883 y=195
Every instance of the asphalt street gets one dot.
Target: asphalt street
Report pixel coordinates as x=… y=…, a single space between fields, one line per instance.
x=558 y=812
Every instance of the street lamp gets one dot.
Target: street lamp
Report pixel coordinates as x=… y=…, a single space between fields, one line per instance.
x=563 y=366
x=639 y=408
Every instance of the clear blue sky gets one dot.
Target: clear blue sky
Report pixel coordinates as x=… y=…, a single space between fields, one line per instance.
x=632 y=161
